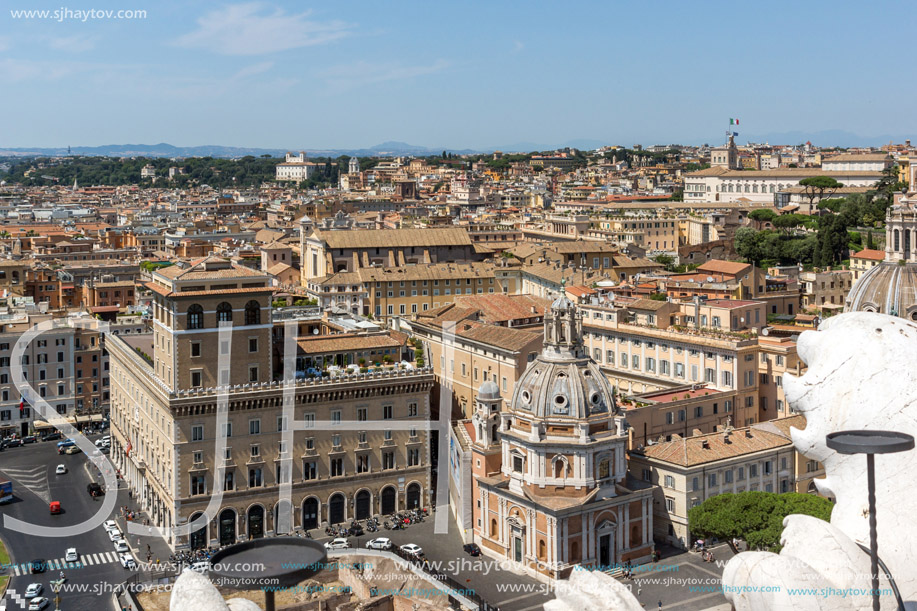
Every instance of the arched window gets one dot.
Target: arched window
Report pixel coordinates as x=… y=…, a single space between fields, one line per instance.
x=224 y=312
x=195 y=317
x=253 y=313
x=897 y=241
x=754 y=188
x=772 y=188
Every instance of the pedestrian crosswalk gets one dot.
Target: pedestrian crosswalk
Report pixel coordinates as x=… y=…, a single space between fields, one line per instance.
x=33 y=478
x=61 y=565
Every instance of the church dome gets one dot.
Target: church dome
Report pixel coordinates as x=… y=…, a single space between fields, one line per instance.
x=489 y=391
x=891 y=286
x=550 y=389
x=563 y=382
x=887 y=288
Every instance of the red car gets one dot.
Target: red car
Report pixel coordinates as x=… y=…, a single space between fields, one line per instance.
x=54 y=507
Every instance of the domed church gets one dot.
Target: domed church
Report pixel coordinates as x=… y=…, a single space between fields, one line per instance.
x=891 y=286
x=550 y=489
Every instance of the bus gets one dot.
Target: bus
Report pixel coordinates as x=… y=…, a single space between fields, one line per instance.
x=6 y=491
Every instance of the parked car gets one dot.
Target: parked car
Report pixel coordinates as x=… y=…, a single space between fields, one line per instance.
x=114 y=535
x=33 y=590
x=52 y=437
x=127 y=561
x=339 y=543
x=71 y=555
x=14 y=443
x=121 y=546
x=29 y=439
x=380 y=543
x=412 y=549
x=38 y=604
x=472 y=549
x=356 y=530
x=61 y=469
x=110 y=525
x=38 y=565
x=54 y=507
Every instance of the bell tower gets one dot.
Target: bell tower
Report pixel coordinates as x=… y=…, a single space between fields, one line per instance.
x=486 y=415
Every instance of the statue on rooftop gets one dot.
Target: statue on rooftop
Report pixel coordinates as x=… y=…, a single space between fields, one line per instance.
x=860 y=376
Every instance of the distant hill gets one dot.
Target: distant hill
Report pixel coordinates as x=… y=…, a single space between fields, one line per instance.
x=163 y=149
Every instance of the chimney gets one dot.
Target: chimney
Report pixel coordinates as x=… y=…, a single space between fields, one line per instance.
x=706 y=444
x=748 y=434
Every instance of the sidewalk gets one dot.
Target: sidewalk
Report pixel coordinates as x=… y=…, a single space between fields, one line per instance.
x=142 y=546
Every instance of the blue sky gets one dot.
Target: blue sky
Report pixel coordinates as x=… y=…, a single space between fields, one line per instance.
x=460 y=75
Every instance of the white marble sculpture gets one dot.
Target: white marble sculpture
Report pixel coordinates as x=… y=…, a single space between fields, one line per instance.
x=194 y=592
x=861 y=375
x=592 y=591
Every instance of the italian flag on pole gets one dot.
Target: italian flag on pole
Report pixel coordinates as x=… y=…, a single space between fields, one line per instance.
x=733 y=121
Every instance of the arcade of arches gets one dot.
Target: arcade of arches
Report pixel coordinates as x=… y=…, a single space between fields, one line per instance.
x=234 y=524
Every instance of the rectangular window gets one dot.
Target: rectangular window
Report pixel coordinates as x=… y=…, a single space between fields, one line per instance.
x=252 y=373
x=254 y=427
x=196 y=379
x=197 y=432
x=308 y=470
x=728 y=477
x=255 y=479
x=712 y=479
x=361 y=414
x=198 y=484
x=337 y=467
x=387 y=409
x=281 y=423
x=413 y=457
x=669 y=481
x=388 y=460
x=695 y=484
x=336 y=417
x=253 y=344
x=412 y=407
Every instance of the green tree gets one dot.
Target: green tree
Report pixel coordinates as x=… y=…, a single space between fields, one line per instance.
x=763 y=215
x=757 y=517
x=748 y=244
x=869 y=241
x=817 y=186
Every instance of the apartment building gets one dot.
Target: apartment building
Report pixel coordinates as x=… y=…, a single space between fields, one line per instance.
x=474 y=351
x=825 y=289
x=638 y=352
x=47 y=364
x=165 y=411
x=863 y=261
x=778 y=357
x=691 y=409
x=347 y=250
x=687 y=471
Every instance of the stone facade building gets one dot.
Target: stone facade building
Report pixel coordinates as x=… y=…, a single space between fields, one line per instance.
x=166 y=416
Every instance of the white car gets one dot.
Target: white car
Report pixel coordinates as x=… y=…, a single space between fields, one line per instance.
x=339 y=543
x=380 y=543
x=33 y=590
x=38 y=604
x=110 y=526
x=61 y=469
x=114 y=535
x=71 y=555
x=412 y=550
x=127 y=561
x=121 y=546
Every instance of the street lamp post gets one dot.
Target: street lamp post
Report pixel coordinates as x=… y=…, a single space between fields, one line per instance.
x=871 y=443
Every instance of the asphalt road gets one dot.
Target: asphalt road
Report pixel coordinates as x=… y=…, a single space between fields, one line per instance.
x=31 y=468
